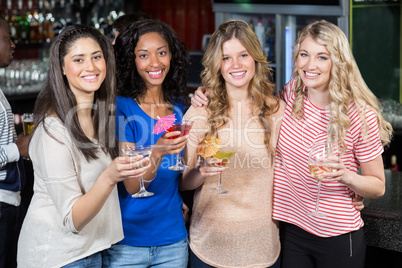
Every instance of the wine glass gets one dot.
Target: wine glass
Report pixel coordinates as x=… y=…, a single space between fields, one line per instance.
x=146 y=152
x=225 y=154
x=184 y=127
x=321 y=154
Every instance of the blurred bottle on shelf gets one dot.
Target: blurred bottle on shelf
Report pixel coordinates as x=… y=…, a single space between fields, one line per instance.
x=104 y=13
x=8 y=16
x=25 y=28
x=270 y=41
x=39 y=21
x=251 y=24
x=68 y=13
x=15 y=26
x=48 y=27
x=260 y=32
x=35 y=22
x=78 y=18
x=59 y=22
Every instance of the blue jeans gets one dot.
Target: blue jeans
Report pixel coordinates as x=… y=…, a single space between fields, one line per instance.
x=167 y=256
x=92 y=261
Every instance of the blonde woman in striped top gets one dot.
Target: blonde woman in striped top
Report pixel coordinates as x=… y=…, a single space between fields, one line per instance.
x=327 y=96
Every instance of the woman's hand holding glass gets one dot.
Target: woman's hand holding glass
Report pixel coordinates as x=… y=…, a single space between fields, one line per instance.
x=167 y=146
x=208 y=168
x=127 y=167
x=339 y=172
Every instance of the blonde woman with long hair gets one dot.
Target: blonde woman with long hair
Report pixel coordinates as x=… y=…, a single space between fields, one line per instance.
x=327 y=98
x=235 y=229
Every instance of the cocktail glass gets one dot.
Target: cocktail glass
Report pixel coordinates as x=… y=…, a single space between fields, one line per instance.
x=225 y=154
x=145 y=151
x=184 y=127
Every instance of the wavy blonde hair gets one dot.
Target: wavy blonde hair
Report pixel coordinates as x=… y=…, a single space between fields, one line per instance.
x=346 y=83
x=260 y=87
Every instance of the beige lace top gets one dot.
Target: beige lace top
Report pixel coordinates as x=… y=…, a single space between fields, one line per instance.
x=236 y=229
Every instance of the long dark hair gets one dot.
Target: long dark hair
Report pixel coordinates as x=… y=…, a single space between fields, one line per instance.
x=129 y=82
x=57 y=99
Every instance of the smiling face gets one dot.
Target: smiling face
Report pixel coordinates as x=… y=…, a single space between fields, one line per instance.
x=152 y=59
x=7 y=46
x=237 y=66
x=314 y=65
x=84 y=67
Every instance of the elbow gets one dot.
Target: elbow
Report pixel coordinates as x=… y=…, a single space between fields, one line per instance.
x=182 y=186
x=380 y=192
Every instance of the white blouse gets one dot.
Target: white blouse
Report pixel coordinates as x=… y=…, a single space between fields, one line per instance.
x=62 y=175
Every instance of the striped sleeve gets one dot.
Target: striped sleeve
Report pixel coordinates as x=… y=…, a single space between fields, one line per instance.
x=368 y=145
x=3 y=138
x=8 y=149
x=286 y=92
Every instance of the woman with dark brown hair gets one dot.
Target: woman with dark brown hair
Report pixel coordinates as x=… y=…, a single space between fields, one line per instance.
x=74 y=212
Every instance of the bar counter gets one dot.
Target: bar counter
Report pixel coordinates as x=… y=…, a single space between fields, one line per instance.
x=383 y=216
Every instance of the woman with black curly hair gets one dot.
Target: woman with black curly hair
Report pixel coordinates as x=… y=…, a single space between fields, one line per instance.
x=151 y=83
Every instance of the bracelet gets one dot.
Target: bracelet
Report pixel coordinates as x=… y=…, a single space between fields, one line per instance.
x=148 y=181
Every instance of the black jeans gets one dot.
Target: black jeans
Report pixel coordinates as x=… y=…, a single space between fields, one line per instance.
x=11 y=218
x=304 y=250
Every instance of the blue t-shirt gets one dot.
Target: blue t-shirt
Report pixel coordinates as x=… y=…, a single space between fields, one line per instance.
x=155 y=220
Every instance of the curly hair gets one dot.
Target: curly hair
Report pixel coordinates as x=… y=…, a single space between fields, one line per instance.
x=346 y=84
x=129 y=82
x=56 y=98
x=261 y=88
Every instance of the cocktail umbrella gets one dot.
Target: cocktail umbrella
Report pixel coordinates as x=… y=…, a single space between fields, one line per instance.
x=163 y=123
x=209 y=146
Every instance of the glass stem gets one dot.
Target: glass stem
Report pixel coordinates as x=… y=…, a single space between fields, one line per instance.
x=142 y=187
x=317 y=202
x=178 y=159
x=220 y=183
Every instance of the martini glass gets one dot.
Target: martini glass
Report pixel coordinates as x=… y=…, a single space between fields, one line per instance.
x=225 y=154
x=145 y=151
x=184 y=127
x=321 y=153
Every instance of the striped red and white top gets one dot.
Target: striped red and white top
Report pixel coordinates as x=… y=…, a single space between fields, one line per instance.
x=295 y=190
